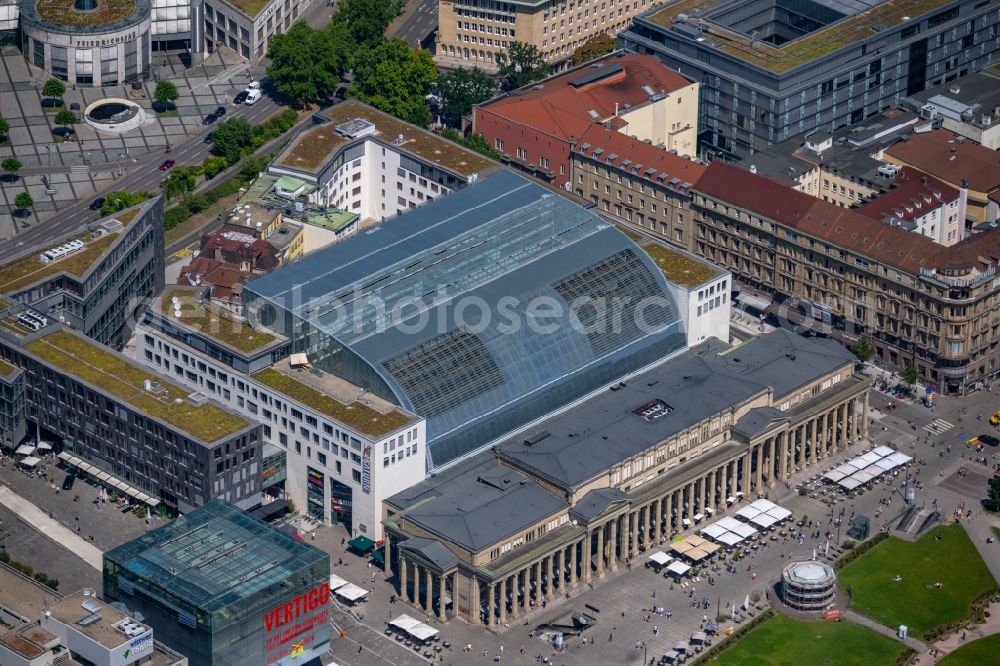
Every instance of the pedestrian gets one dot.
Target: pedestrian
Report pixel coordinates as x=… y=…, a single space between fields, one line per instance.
x=610 y=636
x=359 y=649
x=656 y=630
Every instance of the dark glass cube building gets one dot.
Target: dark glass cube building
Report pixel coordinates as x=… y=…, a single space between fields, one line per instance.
x=226 y=589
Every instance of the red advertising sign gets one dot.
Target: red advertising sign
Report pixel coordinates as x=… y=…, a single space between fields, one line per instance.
x=290 y=625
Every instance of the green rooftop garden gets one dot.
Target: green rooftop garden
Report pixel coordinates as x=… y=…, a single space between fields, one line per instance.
x=62 y=12
x=356 y=415
x=249 y=7
x=30 y=269
x=126 y=217
x=884 y=16
x=12 y=324
x=6 y=369
x=215 y=322
x=680 y=268
x=315 y=146
x=118 y=377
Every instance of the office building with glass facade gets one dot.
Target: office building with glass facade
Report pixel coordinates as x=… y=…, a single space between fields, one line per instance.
x=480 y=312
x=226 y=589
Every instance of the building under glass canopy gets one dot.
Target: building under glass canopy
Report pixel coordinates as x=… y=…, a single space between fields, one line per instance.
x=480 y=311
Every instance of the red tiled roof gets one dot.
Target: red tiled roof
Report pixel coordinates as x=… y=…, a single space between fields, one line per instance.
x=843 y=227
x=562 y=109
x=641 y=157
x=213 y=273
x=937 y=154
x=916 y=193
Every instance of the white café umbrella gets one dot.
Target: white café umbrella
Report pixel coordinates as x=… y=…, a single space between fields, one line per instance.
x=746 y=603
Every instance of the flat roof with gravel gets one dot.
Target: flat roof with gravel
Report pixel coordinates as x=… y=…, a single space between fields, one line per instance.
x=117 y=376
x=214 y=322
x=316 y=394
x=314 y=147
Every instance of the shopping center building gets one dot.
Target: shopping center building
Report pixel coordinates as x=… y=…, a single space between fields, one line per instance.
x=222 y=587
x=576 y=495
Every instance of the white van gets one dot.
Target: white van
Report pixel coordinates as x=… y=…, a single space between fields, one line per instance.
x=253 y=97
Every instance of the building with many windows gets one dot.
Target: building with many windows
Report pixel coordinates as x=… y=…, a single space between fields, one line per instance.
x=245 y=26
x=473 y=32
x=770 y=69
x=93 y=281
x=127 y=426
x=13 y=423
x=921 y=303
x=223 y=587
x=361 y=160
x=577 y=495
x=336 y=450
x=437 y=311
x=537 y=127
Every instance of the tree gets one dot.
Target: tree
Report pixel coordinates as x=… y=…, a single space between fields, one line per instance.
x=478 y=143
x=11 y=165
x=307 y=63
x=181 y=180
x=213 y=166
x=120 y=200
x=909 y=374
x=521 y=64
x=232 y=138
x=165 y=93
x=367 y=19
x=65 y=117
x=54 y=88
x=462 y=89
x=994 y=492
x=595 y=47
x=4 y=127
x=395 y=78
x=863 y=349
x=24 y=201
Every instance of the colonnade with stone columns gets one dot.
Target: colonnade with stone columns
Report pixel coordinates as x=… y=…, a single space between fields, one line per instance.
x=412 y=575
x=609 y=541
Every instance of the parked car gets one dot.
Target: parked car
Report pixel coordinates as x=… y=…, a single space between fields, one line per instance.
x=68 y=482
x=253 y=85
x=209 y=137
x=990 y=440
x=219 y=112
x=167 y=164
x=253 y=97
x=240 y=97
x=209 y=119
x=97 y=203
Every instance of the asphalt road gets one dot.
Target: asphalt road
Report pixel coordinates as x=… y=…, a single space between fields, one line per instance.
x=420 y=20
x=142 y=175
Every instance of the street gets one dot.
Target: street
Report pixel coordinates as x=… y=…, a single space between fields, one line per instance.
x=142 y=174
x=420 y=18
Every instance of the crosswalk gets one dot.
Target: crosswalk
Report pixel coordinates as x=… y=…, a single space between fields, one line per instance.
x=938 y=426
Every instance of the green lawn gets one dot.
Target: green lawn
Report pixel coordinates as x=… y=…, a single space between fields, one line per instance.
x=976 y=653
x=169 y=113
x=782 y=641
x=944 y=555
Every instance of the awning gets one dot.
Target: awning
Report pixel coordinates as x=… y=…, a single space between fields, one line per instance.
x=102 y=476
x=337 y=582
x=362 y=544
x=697 y=517
x=121 y=485
x=64 y=455
x=44 y=446
x=351 y=592
x=660 y=558
x=25 y=450
x=30 y=461
x=379 y=556
x=754 y=300
x=678 y=567
x=131 y=492
x=417 y=629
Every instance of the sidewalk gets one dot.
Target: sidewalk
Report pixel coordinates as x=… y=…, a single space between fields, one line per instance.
x=40 y=521
x=910 y=641
x=955 y=641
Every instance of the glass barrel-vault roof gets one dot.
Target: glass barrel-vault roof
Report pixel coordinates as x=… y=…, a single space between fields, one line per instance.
x=473 y=309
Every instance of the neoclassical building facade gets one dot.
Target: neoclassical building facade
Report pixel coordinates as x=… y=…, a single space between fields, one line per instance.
x=583 y=492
